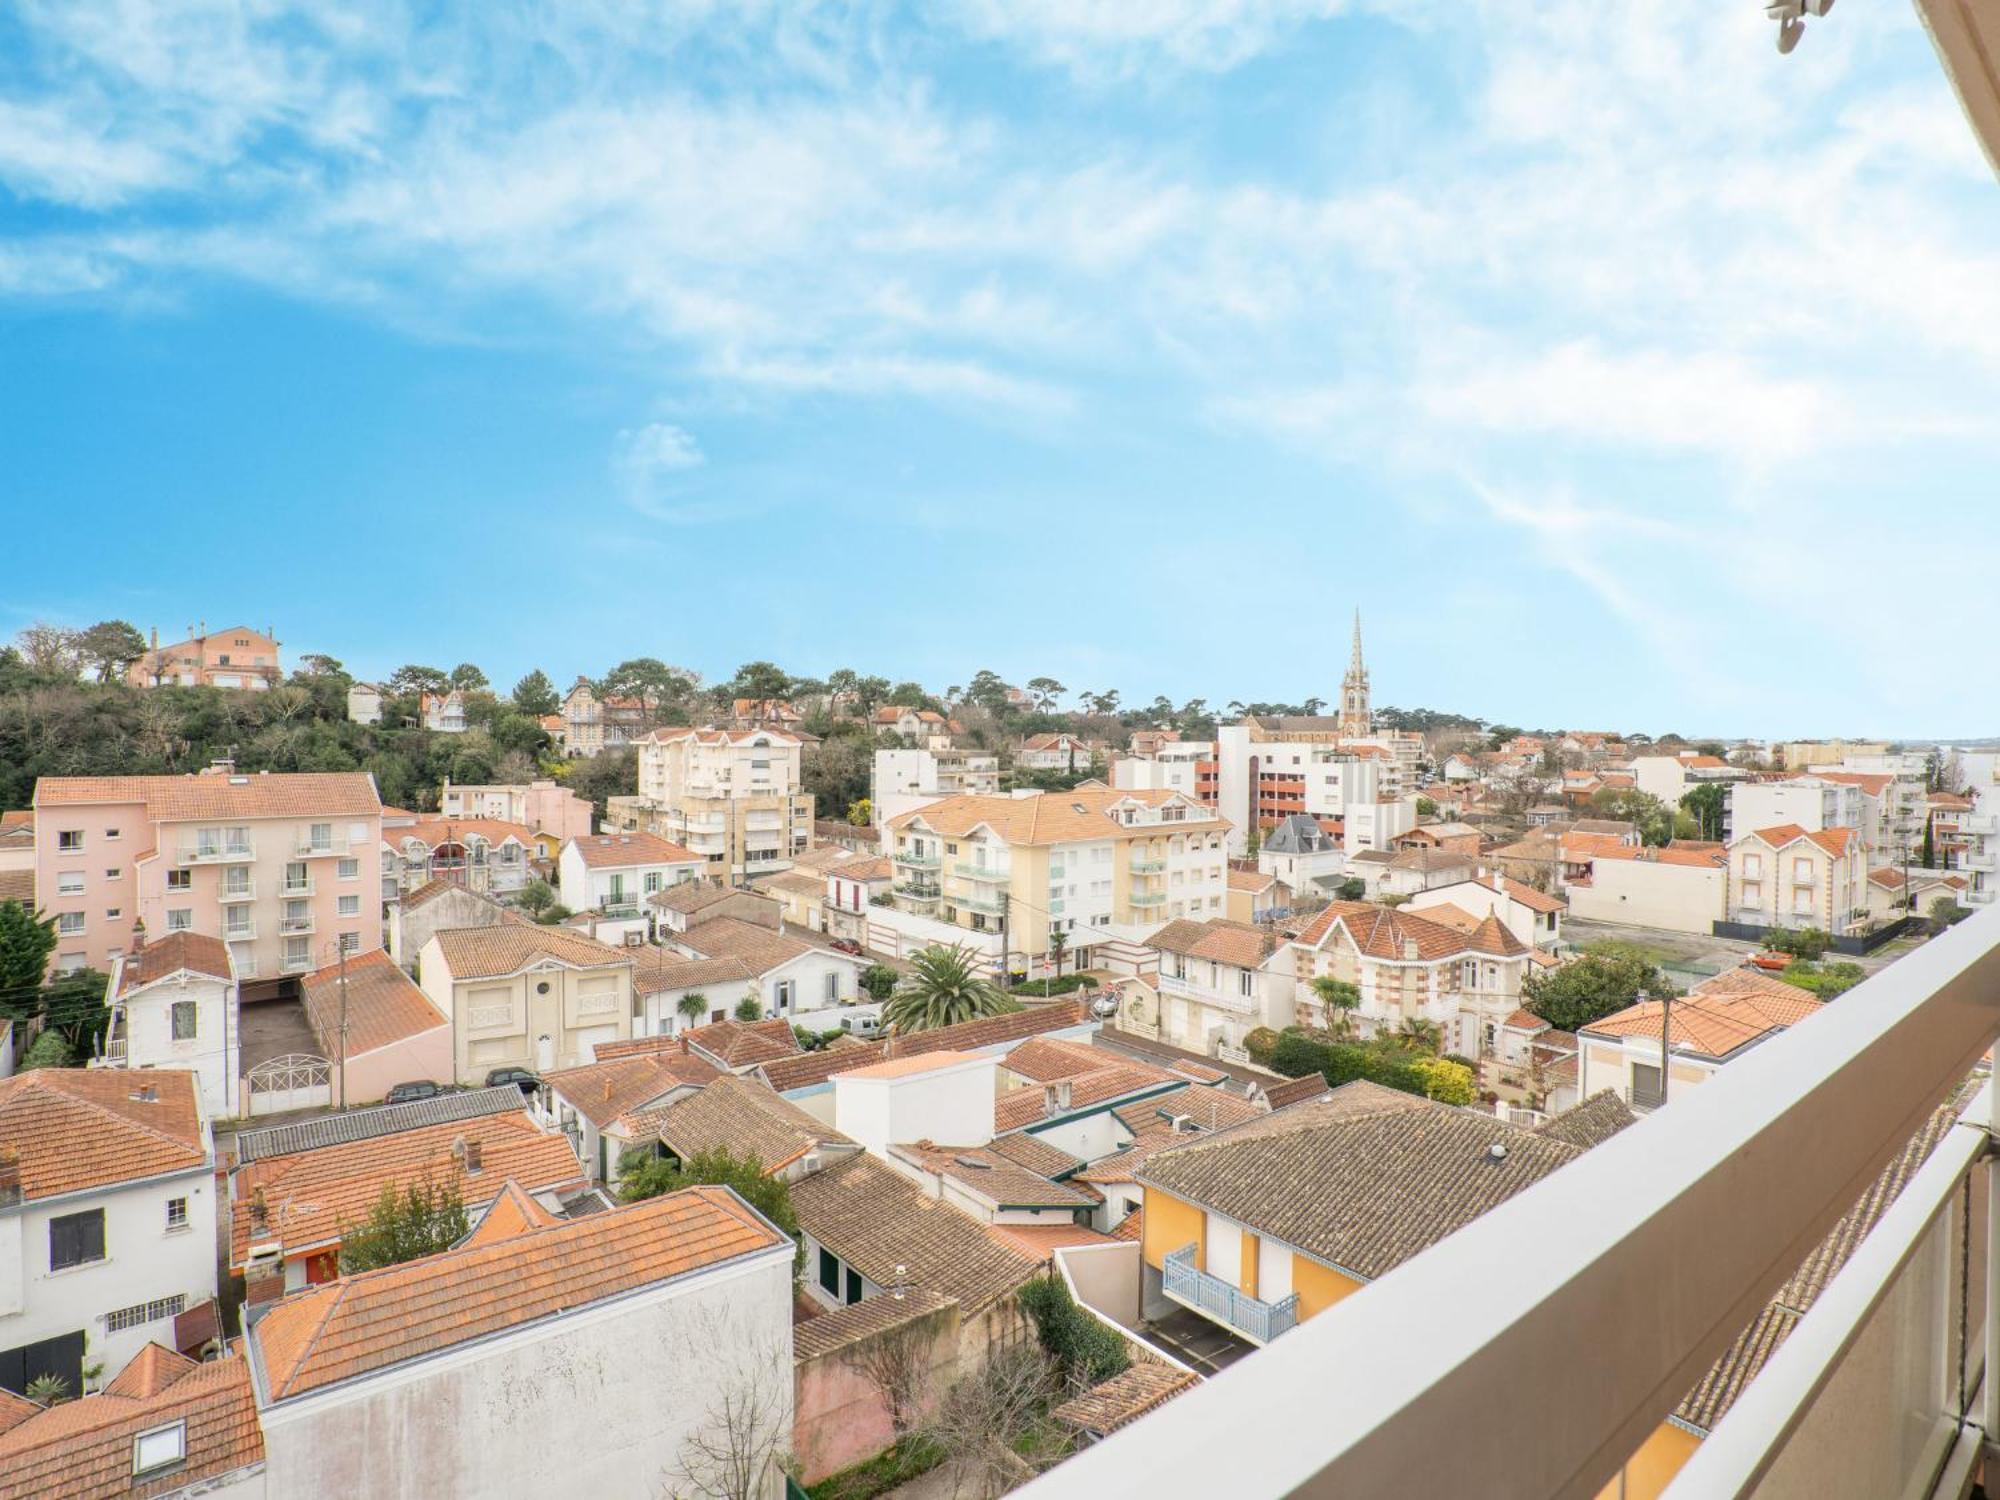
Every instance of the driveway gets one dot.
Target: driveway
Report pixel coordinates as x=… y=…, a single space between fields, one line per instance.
x=1195 y=1341
x=273 y=1028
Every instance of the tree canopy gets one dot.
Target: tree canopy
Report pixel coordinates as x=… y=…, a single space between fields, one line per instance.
x=422 y=1219
x=1605 y=978
x=944 y=986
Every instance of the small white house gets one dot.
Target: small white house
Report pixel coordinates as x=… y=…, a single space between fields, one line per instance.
x=792 y=978
x=100 y=1249
x=614 y=873
x=174 y=1005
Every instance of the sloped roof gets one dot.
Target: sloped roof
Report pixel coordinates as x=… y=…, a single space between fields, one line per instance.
x=763 y=948
x=743 y=1116
x=1385 y=932
x=656 y=970
x=490 y=952
x=1124 y=1398
x=993 y=1176
x=177 y=952
x=1055 y=817
x=83 y=1448
x=690 y=896
x=77 y=1128
x=811 y=1068
x=832 y=1331
x=360 y=1324
x=604 y=1090
x=383 y=1005
x=624 y=851
x=378 y=1120
x=1714 y=1022
x=1590 y=1123
x=742 y=1044
x=267 y=794
x=1362 y=1186
x=513 y=1212
x=1242 y=944
x=876 y=1219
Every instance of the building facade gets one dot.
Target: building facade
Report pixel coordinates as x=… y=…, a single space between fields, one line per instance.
x=733 y=796
x=234 y=658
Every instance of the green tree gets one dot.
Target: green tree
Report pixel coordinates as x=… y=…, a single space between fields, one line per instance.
x=1426 y=808
x=1706 y=804
x=1086 y=1351
x=25 y=946
x=1652 y=817
x=1045 y=691
x=109 y=647
x=1930 y=845
x=651 y=681
x=407 y=680
x=1446 y=1081
x=1947 y=913
x=750 y=1008
x=693 y=1006
x=880 y=980
x=536 y=897
x=1808 y=943
x=861 y=812
x=1058 y=945
x=1341 y=1000
x=423 y=1219
x=1605 y=978
x=644 y=1174
x=759 y=679
x=1352 y=889
x=467 y=678
x=48 y=1050
x=944 y=986
x=319 y=664
x=49 y=1390
x=535 y=695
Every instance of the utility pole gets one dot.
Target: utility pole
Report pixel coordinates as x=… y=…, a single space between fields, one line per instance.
x=1666 y=1023
x=342 y=950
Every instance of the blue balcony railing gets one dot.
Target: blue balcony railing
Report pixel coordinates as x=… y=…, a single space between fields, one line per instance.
x=1193 y=1287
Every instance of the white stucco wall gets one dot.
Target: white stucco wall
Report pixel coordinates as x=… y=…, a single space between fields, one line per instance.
x=951 y=1104
x=212 y=1052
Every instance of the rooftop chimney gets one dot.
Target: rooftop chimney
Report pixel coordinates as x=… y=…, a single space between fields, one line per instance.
x=1055 y=1096
x=263 y=1277
x=472 y=1162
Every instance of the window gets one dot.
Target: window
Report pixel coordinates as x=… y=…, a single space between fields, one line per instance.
x=1802 y=871
x=159 y=1449
x=829 y=1272
x=321 y=836
x=177 y=1213
x=653 y=878
x=833 y=985
x=350 y=906
x=348 y=869
x=70 y=923
x=1246 y=982
x=350 y=942
x=111 y=874
x=853 y=1286
x=784 y=994
x=180 y=880
x=114 y=912
x=69 y=839
x=183 y=1020
x=70 y=883
x=76 y=1239
x=180 y=919
x=1753 y=866
x=144 y=1312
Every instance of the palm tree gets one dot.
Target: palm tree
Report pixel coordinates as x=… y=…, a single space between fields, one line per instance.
x=1058 y=941
x=694 y=1005
x=943 y=986
x=1421 y=1033
x=1341 y=1000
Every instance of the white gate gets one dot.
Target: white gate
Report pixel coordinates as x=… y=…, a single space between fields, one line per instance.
x=298 y=1080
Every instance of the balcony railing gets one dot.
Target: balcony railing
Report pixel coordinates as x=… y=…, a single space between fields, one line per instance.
x=625 y=905
x=239 y=932
x=991 y=908
x=1257 y=1321
x=1677 y=1232
x=296 y=925
x=919 y=892
x=309 y=848
x=1148 y=866
x=216 y=854
x=244 y=892
x=981 y=872
x=294 y=963
x=296 y=887
x=917 y=861
x=1148 y=898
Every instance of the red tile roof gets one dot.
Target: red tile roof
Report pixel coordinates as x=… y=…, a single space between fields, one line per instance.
x=604 y=1090
x=358 y=1325
x=623 y=851
x=177 y=952
x=76 y=1128
x=383 y=1005
x=310 y=794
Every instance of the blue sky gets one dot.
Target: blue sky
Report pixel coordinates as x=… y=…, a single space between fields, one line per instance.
x=1620 y=371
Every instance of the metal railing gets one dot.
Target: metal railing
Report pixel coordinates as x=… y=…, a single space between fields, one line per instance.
x=296 y=888
x=241 y=932
x=309 y=848
x=918 y=861
x=296 y=926
x=920 y=892
x=1193 y=1287
x=1677 y=1232
x=981 y=872
x=244 y=892
x=1148 y=898
x=1147 y=866
x=215 y=854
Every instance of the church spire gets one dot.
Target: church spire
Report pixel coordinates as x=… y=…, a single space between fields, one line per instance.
x=1356 y=722
x=1354 y=663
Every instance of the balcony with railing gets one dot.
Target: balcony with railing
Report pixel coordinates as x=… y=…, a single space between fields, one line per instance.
x=1539 y=1348
x=240 y=891
x=991 y=906
x=1147 y=866
x=917 y=861
x=986 y=873
x=1258 y=1321
x=1148 y=898
x=308 y=847
x=291 y=887
x=224 y=852
x=295 y=924
x=239 y=932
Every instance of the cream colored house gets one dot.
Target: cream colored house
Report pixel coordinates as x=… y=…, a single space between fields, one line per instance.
x=1790 y=876
x=1677 y=888
x=731 y=795
x=1715 y=1023
x=1083 y=864
x=526 y=996
x=1217 y=982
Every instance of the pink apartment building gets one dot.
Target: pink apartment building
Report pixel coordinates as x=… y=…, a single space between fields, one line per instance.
x=284 y=868
x=540 y=806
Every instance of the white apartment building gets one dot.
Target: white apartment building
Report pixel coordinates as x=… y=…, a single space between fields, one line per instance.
x=100 y=1249
x=1810 y=801
x=906 y=778
x=730 y=795
x=540 y=806
x=1184 y=766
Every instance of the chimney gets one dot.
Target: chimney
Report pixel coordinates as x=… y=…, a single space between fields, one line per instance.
x=472 y=1163
x=10 y=1176
x=1055 y=1097
x=263 y=1278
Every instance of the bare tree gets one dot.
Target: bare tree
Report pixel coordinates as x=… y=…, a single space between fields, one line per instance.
x=745 y=1435
x=978 y=1419
x=49 y=648
x=898 y=1364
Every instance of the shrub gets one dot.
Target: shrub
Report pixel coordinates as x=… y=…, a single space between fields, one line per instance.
x=48 y=1050
x=1809 y=943
x=1085 y=1351
x=1061 y=985
x=879 y=980
x=1833 y=980
x=1446 y=1082
x=1259 y=1043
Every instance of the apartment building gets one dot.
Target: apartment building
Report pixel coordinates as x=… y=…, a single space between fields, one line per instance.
x=481 y=854
x=236 y=658
x=1790 y=876
x=1671 y=777
x=1178 y=765
x=907 y=777
x=1092 y=865
x=541 y=806
x=283 y=868
x=731 y=795
x=591 y=725
x=1812 y=802
x=613 y=873
x=1269 y=769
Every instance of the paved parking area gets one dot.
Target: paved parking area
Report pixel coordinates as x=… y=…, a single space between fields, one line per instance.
x=272 y=1028
x=1196 y=1342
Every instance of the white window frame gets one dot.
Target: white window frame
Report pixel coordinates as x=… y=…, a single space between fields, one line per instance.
x=159 y=1448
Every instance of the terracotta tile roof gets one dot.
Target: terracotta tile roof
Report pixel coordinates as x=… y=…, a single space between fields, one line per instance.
x=177 y=952
x=1360 y=1182
x=18 y=824
x=1525 y=1020
x=308 y=1198
x=624 y=851
x=1590 y=1123
x=1037 y=1155
x=1042 y=1059
x=1714 y=1020
x=14 y=1410
x=1124 y=1398
x=384 y=1005
x=76 y=1128
x=433 y=831
x=1835 y=841
x=1238 y=943
x=1131 y=1227
x=657 y=970
x=991 y=1176
x=1056 y=817
x=905 y=1067
x=1043 y=1240
x=1295 y=1091
x=828 y=1332
x=18 y=886
x=1872 y=782
x=812 y=1068
x=83 y=1448
x=1578 y=847
x=876 y=1219
x=763 y=948
x=361 y=1324
x=797 y=883
x=740 y=1115
x=513 y=1212
x=866 y=869
x=1253 y=881
x=1730 y=1375
x=1116 y=1079
x=1429 y=861
x=1384 y=932
x=149 y=1372
x=610 y=1087
x=310 y=794
x=690 y=896
x=744 y=1044
x=490 y=952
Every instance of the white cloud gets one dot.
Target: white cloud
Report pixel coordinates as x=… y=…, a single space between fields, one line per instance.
x=658 y=448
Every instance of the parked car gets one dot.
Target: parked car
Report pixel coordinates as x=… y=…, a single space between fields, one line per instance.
x=521 y=1078
x=863 y=1025
x=847 y=945
x=411 y=1092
